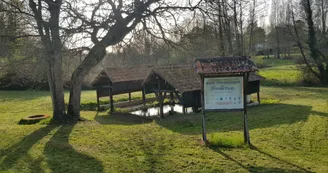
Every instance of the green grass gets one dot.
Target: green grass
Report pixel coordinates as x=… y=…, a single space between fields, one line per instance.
x=279 y=72
x=273 y=62
x=289 y=133
x=287 y=75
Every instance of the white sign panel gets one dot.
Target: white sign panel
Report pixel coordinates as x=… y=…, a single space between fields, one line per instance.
x=223 y=93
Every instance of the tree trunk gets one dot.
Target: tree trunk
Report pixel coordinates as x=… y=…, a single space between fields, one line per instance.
x=238 y=51
x=227 y=28
x=277 y=44
x=318 y=58
x=55 y=81
x=323 y=17
x=50 y=38
x=241 y=28
x=74 y=101
x=222 y=50
x=95 y=55
x=251 y=36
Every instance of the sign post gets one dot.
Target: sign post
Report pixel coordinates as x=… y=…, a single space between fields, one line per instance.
x=203 y=110
x=224 y=88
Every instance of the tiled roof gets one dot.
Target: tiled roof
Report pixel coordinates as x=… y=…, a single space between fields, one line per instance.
x=183 y=77
x=221 y=65
x=123 y=74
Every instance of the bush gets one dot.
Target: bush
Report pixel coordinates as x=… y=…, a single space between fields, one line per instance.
x=13 y=81
x=307 y=78
x=258 y=60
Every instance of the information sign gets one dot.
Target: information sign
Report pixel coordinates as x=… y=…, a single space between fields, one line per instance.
x=223 y=93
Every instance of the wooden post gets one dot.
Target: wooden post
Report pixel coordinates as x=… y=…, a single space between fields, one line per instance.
x=258 y=97
x=111 y=101
x=129 y=97
x=203 y=109
x=171 y=98
x=178 y=97
x=165 y=93
x=98 y=105
x=183 y=109
x=161 y=112
x=143 y=96
x=160 y=98
x=246 y=132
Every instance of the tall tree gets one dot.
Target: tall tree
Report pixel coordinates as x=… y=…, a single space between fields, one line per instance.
x=91 y=26
x=320 y=59
x=121 y=18
x=49 y=30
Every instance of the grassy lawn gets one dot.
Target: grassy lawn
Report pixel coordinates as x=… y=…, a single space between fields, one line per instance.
x=289 y=132
x=286 y=75
x=281 y=72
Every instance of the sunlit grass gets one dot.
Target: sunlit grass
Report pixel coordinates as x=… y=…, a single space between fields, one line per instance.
x=288 y=132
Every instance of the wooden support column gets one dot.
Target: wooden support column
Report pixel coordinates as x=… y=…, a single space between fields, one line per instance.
x=258 y=97
x=143 y=96
x=178 y=97
x=203 y=109
x=171 y=98
x=98 y=105
x=129 y=97
x=160 y=98
x=246 y=132
x=172 y=102
x=161 y=111
x=111 y=100
x=183 y=109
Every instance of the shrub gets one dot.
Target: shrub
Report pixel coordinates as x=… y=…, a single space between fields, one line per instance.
x=258 y=60
x=307 y=78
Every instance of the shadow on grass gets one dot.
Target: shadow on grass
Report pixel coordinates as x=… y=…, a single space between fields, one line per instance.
x=258 y=117
x=121 y=119
x=258 y=169
x=60 y=155
x=15 y=152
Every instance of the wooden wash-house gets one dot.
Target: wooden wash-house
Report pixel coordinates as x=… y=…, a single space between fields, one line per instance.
x=182 y=83
x=179 y=82
x=120 y=80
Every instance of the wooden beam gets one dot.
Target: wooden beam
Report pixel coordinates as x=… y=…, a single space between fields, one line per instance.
x=176 y=94
x=165 y=91
x=98 y=105
x=143 y=96
x=171 y=98
x=111 y=101
x=161 y=111
x=129 y=97
x=183 y=109
x=246 y=132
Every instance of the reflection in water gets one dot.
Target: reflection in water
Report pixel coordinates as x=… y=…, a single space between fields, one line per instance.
x=166 y=109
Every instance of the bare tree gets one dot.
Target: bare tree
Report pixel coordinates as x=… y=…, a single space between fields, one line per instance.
x=317 y=61
x=91 y=26
x=121 y=17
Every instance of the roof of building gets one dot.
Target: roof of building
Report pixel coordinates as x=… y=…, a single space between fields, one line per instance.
x=183 y=77
x=122 y=74
x=224 y=65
